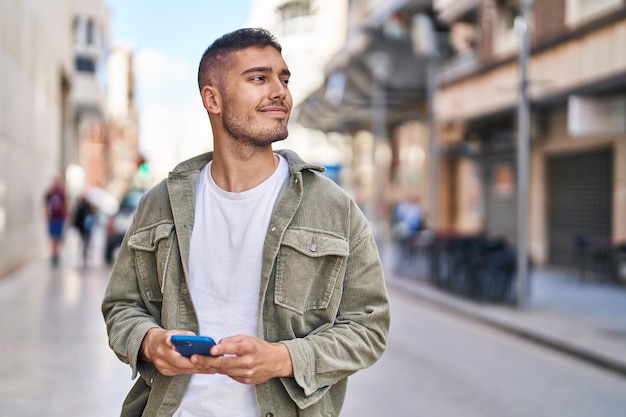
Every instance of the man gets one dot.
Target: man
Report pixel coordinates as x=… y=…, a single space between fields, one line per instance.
x=56 y=211
x=84 y=221
x=254 y=249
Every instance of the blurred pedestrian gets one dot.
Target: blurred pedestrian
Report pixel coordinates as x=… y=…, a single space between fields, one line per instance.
x=84 y=221
x=408 y=223
x=56 y=211
x=410 y=216
x=254 y=248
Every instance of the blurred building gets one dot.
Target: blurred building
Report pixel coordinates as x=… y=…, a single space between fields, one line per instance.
x=429 y=90
x=53 y=120
x=90 y=144
x=336 y=51
x=36 y=71
x=310 y=32
x=123 y=122
x=577 y=91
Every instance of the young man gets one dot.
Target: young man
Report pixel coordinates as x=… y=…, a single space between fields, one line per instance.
x=253 y=248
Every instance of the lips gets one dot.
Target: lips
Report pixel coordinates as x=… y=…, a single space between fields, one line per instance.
x=274 y=109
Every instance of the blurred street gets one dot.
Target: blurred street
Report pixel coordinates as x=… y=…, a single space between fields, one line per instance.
x=444 y=365
x=476 y=136
x=54 y=356
x=55 y=360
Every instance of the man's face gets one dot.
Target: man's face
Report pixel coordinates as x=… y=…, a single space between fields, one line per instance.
x=256 y=99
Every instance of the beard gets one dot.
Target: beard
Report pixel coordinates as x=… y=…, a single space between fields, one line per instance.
x=240 y=126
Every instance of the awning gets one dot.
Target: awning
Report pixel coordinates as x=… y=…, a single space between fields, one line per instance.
x=344 y=102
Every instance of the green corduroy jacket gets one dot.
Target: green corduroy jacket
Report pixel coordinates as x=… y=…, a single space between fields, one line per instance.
x=322 y=291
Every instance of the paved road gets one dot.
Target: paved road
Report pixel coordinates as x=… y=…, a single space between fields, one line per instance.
x=442 y=364
x=55 y=362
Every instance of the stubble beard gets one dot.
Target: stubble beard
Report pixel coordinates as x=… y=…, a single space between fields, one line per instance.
x=241 y=128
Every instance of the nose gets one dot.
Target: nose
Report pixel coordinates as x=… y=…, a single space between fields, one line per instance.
x=279 y=89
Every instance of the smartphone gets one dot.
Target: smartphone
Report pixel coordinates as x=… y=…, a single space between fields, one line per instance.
x=188 y=345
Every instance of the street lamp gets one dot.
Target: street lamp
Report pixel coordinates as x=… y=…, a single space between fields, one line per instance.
x=523 y=145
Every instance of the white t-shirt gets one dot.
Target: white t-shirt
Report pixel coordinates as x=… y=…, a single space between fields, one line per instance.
x=224 y=278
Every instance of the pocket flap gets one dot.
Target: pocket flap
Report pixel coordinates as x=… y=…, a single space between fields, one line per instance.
x=315 y=243
x=148 y=239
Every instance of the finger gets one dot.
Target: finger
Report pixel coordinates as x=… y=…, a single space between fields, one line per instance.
x=237 y=346
x=206 y=364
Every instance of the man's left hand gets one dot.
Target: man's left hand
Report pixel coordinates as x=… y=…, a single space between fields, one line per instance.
x=246 y=359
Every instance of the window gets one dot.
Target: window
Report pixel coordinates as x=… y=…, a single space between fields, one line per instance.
x=463 y=36
x=508 y=10
x=577 y=11
x=90 y=33
x=84 y=64
x=504 y=36
x=293 y=9
x=294 y=16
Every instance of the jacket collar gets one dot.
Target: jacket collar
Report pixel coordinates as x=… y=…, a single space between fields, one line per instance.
x=296 y=164
x=182 y=192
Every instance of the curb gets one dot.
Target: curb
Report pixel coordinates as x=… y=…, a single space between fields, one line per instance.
x=469 y=309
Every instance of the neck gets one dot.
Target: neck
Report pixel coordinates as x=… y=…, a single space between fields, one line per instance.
x=238 y=172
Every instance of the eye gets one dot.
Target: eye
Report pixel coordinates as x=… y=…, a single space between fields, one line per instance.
x=258 y=78
x=285 y=81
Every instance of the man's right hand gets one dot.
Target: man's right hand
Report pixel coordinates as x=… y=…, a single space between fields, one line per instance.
x=157 y=348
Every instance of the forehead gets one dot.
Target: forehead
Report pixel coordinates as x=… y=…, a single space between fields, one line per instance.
x=253 y=57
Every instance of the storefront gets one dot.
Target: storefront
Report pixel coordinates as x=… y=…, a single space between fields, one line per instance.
x=580 y=205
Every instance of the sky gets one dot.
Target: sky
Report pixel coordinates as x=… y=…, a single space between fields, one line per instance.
x=167 y=39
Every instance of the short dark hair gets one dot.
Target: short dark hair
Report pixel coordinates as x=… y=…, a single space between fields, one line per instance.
x=216 y=55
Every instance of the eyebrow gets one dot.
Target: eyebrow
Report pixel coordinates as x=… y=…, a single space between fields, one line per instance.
x=265 y=69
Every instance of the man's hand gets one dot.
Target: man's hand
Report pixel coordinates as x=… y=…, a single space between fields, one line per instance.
x=246 y=359
x=157 y=348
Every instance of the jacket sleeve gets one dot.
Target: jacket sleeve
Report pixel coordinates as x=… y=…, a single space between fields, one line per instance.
x=358 y=336
x=127 y=316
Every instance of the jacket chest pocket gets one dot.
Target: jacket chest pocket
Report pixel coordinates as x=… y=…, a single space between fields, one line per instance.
x=152 y=247
x=308 y=268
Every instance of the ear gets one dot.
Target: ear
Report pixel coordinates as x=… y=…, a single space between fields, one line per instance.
x=211 y=99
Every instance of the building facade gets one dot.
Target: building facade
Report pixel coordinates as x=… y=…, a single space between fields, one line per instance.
x=375 y=92
x=441 y=124
x=90 y=147
x=577 y=91
x=50 y=91
x=36 y=65
x=123 y=124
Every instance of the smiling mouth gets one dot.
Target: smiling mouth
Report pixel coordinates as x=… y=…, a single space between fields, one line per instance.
x=273 y=110
x=274 y=107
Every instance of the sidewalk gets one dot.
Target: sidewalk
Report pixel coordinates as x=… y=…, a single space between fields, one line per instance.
x=582 y=318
